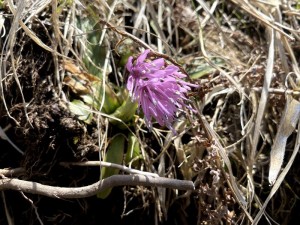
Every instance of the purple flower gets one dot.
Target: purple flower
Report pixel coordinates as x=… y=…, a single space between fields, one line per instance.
x=158 y=87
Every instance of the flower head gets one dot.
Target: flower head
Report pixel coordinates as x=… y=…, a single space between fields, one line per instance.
x=158 y=88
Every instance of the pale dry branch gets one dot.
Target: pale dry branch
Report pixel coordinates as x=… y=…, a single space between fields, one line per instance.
x=93 y=189
x=7 y=213
x=5 y=137
x=111 y=165
x=34 y=207
x=11 y=172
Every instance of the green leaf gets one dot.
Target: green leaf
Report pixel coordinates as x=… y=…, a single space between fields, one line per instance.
x=201 y=68
x=81 y=110
x=133 y=150
x=111 y=102
x=94 y=57
x=114 y=154
x=125 y=112
x=94 y=54
x=125 y=50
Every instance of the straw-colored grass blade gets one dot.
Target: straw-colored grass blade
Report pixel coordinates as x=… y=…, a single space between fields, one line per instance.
x=287 y=125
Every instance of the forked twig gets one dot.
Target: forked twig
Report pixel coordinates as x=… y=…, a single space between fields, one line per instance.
x=132 y=37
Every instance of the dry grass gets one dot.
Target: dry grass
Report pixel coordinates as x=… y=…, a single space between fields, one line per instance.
x=64 y=103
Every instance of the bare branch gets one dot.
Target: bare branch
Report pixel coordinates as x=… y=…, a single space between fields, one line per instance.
x=93 y=189
x=11 y=172
x=109 y=164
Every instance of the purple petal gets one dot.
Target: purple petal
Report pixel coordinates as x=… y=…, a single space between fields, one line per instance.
x=142 y=57
x=130 y=82
x=129 y=64
x=158 y=88
x=158 y=63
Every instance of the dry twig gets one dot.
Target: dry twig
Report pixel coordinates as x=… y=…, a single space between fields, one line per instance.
x=93 y=189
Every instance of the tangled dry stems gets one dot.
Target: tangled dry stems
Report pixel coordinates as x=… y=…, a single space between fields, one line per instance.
x=241 y=53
